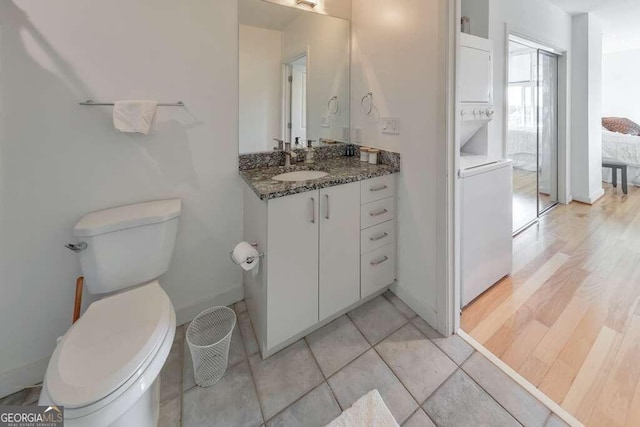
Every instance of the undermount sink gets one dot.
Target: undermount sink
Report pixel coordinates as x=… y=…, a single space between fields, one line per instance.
x=300 y=176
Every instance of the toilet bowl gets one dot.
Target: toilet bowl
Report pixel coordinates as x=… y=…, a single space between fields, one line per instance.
x=105 y=370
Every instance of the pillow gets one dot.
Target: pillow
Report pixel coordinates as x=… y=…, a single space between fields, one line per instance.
x=621 y=125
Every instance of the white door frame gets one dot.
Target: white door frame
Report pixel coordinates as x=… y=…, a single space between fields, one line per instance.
x=449 y=293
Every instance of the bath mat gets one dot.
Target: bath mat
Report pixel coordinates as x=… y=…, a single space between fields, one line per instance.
x=368 y=411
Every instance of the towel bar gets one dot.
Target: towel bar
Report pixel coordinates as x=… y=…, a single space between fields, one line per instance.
x=160 y=104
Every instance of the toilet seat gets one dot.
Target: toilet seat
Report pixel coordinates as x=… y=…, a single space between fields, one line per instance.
x=109 y=349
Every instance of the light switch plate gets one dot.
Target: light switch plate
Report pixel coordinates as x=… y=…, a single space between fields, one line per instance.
x=326 y=122
x=390 y=125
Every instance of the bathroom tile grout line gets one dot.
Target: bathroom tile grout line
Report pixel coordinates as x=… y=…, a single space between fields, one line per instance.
x=458 y=366
x=496 y=400
x=253 y=380
x=373 y=347
x=370 y=347
x=324 y=381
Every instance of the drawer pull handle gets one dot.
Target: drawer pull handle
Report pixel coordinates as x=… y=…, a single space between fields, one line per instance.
x=378 y=237
x=380 y=188
x=380 y=261
x=378 y=213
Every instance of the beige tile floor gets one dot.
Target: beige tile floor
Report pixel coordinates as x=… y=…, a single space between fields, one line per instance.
x=424 y=379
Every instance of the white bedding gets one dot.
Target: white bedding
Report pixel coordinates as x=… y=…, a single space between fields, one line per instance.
x=623 y=148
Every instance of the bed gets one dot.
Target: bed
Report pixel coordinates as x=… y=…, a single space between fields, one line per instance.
x=623 y=148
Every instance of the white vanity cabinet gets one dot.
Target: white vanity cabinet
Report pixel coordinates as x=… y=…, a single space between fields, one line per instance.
x=316 y=250
x=292 y=257
x=339 y=275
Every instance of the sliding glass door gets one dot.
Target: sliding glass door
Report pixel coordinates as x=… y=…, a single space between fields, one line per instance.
x=532 y=131
x=547 y=130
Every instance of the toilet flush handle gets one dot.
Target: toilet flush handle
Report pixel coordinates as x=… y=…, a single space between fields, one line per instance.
x=76 y=247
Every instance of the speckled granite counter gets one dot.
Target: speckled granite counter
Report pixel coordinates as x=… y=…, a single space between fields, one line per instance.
x=341 y=170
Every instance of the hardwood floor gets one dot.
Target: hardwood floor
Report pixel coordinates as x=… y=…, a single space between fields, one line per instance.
x=525 y=197
x=568 y=318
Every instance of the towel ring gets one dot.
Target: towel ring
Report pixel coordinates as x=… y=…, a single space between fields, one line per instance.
x=333 y=105
x=368 y=96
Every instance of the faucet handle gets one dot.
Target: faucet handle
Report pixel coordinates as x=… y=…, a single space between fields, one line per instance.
x=310 y=143
x=280 y=143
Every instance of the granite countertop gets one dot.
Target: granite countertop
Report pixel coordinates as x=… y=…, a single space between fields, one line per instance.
x=341 y=170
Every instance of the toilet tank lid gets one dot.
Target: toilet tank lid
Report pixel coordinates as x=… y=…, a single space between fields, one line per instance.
x=123 y=217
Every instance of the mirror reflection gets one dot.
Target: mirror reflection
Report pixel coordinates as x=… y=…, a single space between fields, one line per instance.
x=294 y=77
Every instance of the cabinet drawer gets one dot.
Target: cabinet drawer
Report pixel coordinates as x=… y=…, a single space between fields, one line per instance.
x=377 y=212
x=377 y=188
x=377 y=236
x=378 y=269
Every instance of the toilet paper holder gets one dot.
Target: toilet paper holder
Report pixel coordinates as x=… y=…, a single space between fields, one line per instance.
x=250 y=259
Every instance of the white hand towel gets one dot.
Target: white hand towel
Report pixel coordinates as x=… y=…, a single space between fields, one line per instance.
x=134 y=116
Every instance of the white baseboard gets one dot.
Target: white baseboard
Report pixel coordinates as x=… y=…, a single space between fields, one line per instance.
x=424 y=311
x=226 y=297
x=22 y=377
x=543 y=398
x=592 y=197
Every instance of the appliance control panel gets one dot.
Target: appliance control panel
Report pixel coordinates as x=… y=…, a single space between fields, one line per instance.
x=475 y=113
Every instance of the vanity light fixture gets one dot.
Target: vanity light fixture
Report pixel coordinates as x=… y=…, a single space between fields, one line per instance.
x=312 y=3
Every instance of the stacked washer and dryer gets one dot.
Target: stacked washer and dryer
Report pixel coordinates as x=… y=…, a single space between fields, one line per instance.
x=485 y=178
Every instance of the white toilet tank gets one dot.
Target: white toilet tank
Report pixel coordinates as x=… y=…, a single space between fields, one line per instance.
x=127 y=245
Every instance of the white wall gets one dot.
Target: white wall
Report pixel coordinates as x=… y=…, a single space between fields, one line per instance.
x=620 y=85
x=260 y=88
x=539 y=20
x=399 y=55
x=586 y=120
x=326 y=41
x=59 y=160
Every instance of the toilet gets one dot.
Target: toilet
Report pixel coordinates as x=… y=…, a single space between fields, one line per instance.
x=105 y=369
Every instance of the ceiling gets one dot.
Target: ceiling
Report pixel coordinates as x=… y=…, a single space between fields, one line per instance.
x=620 y=20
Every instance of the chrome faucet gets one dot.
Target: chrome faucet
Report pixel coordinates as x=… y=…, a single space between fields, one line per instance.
x=288 y=154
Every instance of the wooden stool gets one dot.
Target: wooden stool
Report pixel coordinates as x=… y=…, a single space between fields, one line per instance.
x=614 y=165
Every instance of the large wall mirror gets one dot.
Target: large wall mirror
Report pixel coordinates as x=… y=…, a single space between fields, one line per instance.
x=294 y=76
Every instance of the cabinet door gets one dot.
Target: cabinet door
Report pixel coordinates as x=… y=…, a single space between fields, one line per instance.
x=476 y=81
x=292 y=254
x=339 y=248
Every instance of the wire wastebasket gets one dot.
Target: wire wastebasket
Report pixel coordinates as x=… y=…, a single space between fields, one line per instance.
x=209 y=337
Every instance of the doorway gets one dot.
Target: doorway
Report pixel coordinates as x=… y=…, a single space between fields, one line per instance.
x=532 y=131
x=295 y=108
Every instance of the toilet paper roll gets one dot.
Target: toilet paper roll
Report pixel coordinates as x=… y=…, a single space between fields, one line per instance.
x=245 y=255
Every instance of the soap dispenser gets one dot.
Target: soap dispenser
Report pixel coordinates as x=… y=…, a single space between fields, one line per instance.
x=297 y=144
x=309 y=156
